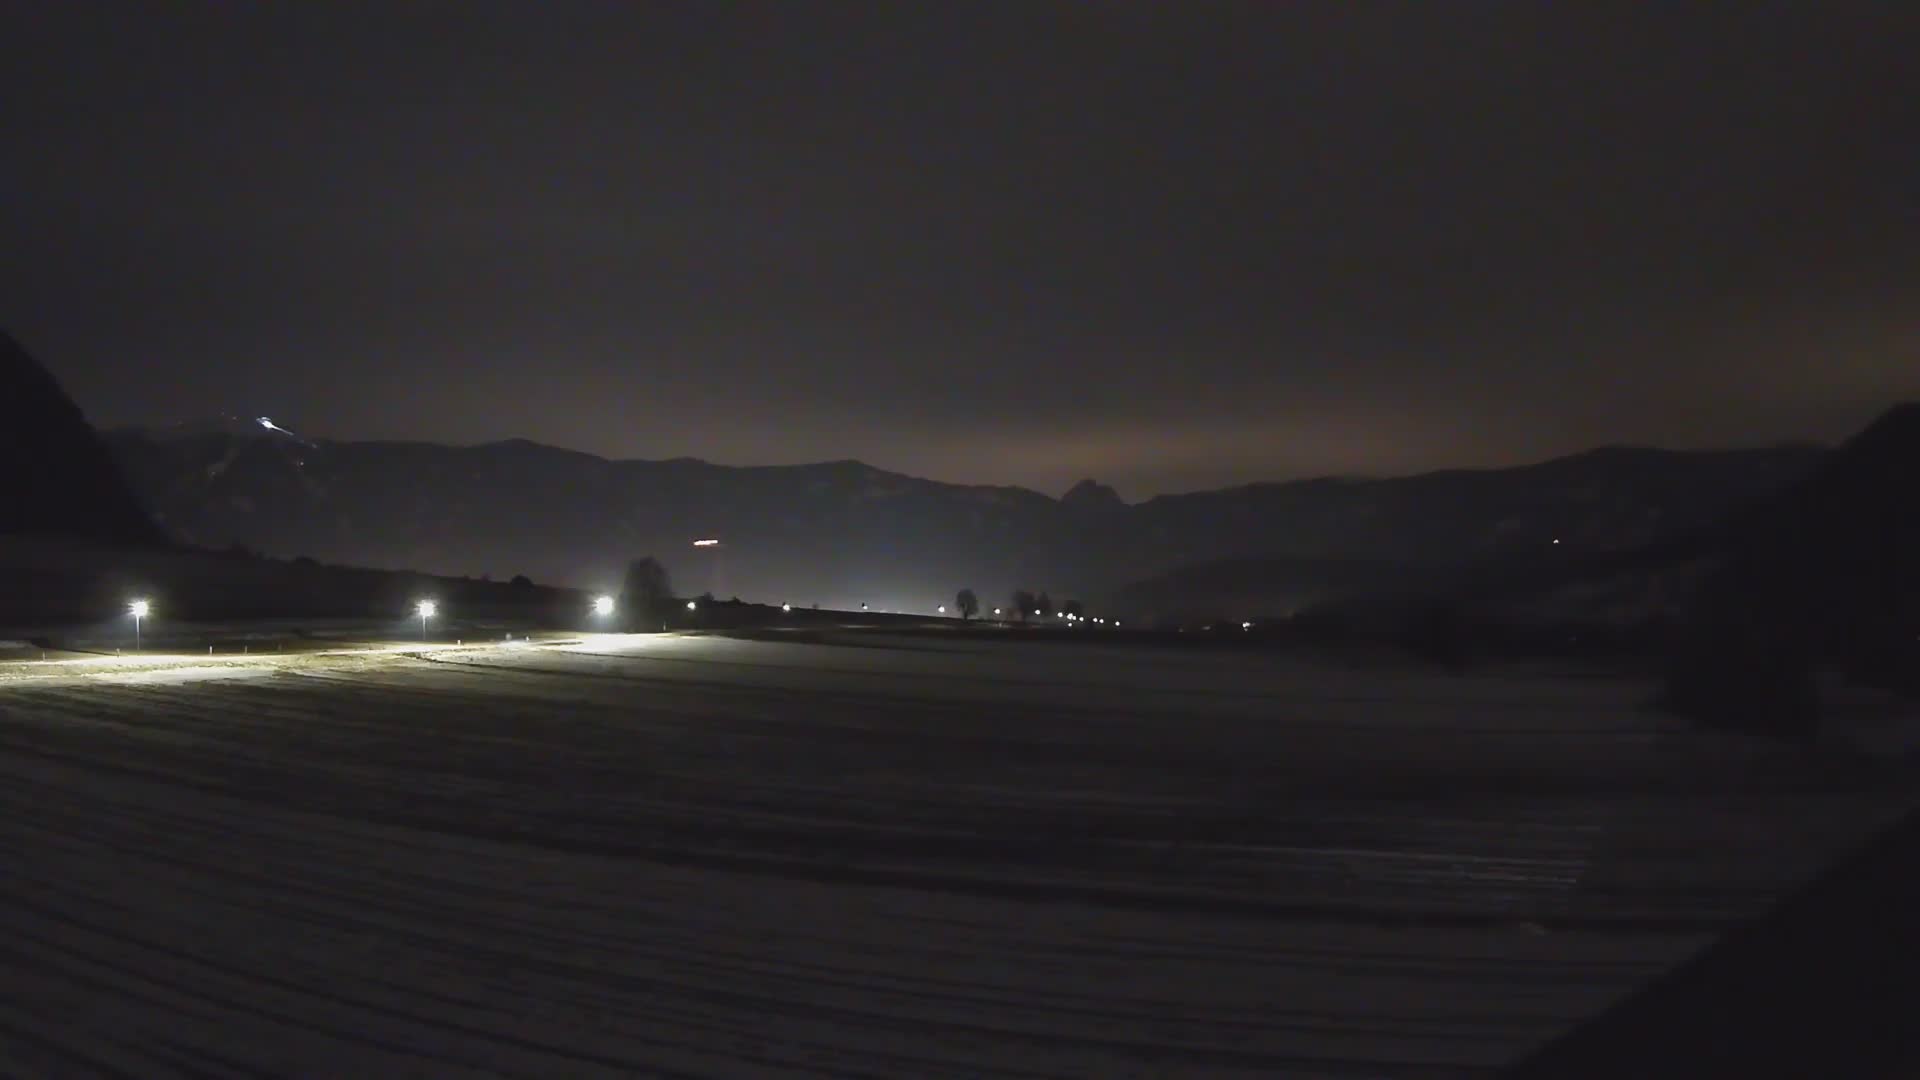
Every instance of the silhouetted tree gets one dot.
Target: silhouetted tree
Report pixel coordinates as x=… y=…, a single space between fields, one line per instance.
x=1046 y=604
x=521 y=581
x=646 y=597
x=1074 y=608
x=968 y=604
x=1024 y=604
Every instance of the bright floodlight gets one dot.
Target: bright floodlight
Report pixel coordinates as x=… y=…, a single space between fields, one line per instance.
x=603 y=605
x=786 y=607
x=427 y=609
x=1246 y=626
x=943 y=609
x=691 y=605
x=706 y=541
x=138 y=609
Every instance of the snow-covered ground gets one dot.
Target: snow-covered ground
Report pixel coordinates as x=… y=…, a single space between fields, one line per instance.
x=869 y=856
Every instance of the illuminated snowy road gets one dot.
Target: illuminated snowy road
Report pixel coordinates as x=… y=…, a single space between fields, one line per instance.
x=872 y=856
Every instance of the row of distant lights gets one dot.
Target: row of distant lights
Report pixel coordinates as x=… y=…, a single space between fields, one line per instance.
x=427 y=609
x=1069 y=616
x=603 y=606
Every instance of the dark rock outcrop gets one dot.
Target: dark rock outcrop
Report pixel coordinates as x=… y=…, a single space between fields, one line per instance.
x=61 y=481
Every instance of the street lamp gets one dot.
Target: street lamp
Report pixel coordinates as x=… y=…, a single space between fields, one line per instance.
x=943 y=609
x=603 y=605
x=427 y=609
x=786 y=607
x=138 y=609
x=691 y=605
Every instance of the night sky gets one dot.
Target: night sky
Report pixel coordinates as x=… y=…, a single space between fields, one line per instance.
x=1170 y=246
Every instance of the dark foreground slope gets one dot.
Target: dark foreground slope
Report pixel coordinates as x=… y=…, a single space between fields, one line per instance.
x=60 y=480
x=1827 y=985
x=1827 y=574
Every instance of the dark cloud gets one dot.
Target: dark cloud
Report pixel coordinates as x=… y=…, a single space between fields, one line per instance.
x=1167 y=245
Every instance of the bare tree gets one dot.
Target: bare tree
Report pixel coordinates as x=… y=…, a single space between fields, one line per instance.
x=968 y=604
x=647 y=596
x=1023 y=604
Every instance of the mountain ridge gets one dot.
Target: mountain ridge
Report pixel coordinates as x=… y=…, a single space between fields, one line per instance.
x=1610 y=450
x=845 y=532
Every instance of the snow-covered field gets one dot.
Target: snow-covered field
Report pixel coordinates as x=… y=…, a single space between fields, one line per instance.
x=860 y=857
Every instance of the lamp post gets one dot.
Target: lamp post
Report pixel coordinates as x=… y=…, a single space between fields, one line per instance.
x=138 y=609
x=427 y=609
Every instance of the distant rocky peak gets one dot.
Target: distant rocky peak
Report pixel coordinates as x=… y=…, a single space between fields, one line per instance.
x=1092 y=495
